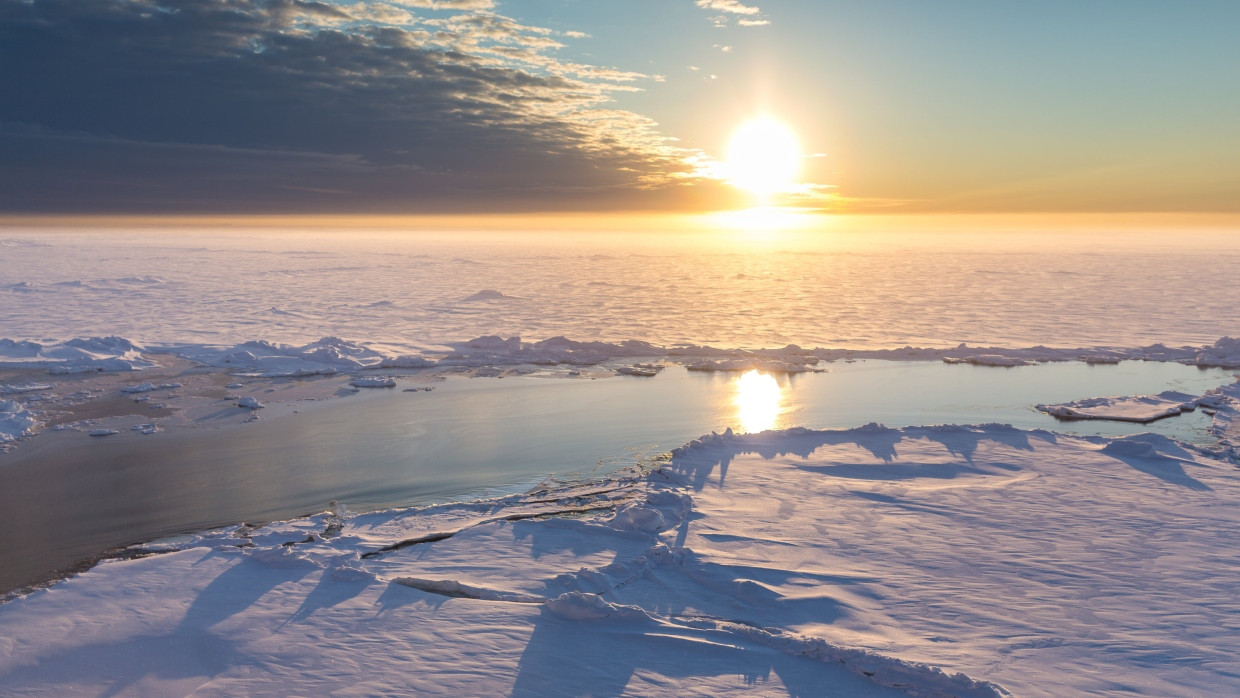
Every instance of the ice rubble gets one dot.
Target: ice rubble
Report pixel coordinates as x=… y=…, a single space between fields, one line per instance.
x=331 y=355
x=16 y=421
x=75 y=356
x=327 y=356
x=494 y=350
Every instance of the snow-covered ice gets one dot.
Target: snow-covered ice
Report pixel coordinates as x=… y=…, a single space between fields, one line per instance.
x=1132 y=408
x=372 y=382
x=147 y=386
x=16 y=421
x=19 y=388
x=925 y=561
x=847 y=289
x=928 y=561
x=80 y=355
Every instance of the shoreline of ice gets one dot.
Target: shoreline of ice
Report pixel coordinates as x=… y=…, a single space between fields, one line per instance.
x=883 y=561
x=928 y=561
x=331 y=355
x=362 y=365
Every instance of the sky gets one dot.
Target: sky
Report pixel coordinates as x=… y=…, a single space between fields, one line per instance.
x=491 y=106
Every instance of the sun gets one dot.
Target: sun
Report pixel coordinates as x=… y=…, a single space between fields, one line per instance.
x=763 y=157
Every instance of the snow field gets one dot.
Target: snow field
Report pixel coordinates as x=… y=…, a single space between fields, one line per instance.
x=931 y=561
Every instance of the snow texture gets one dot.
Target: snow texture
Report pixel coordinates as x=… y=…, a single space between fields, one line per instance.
x=925 y=561
x=218 y=286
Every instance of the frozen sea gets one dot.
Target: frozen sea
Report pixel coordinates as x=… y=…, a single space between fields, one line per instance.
x=834 y=288
x=919 y=558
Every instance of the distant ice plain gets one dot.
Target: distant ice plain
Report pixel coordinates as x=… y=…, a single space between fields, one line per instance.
x=415 y=290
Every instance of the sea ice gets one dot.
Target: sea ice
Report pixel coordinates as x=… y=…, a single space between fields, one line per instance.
x=326 y=356
x=929 y=561
x=372 y=382
x=82 y=355
x=19 y=388
x=1137 y=408
x=147 y=387
x=16 y=421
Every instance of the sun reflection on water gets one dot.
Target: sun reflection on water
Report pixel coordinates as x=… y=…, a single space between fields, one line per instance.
x=757 y=401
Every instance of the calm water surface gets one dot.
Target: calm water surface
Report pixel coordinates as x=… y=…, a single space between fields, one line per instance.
x=65 y=497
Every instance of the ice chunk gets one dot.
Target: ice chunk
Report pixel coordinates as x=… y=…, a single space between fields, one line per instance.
x=18 y=388
x=1136 y=408
x=16 y=421
x=372 y=382
x=148 y=387
x=250 y=402
x=1225 y=353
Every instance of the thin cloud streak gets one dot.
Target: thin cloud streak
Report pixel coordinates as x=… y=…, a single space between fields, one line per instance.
x=729 y=6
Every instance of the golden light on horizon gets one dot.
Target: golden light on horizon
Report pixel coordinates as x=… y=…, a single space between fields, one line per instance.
x=757 y=401
x=764 y=157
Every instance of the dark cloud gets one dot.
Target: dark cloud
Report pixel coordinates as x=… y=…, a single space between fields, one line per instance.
x=284 y=105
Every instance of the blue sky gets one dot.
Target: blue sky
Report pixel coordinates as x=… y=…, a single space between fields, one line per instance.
x=415 y=106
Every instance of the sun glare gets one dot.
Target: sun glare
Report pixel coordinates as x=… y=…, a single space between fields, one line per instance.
x=763 y=157
x=757 y=401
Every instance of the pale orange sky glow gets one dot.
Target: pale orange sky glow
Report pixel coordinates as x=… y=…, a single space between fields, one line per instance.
x=525 y=106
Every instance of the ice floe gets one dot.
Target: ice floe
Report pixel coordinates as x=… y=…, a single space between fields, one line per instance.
x=1133 y=408
x=147 y=386
x=641 y=370
x=20 y=388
